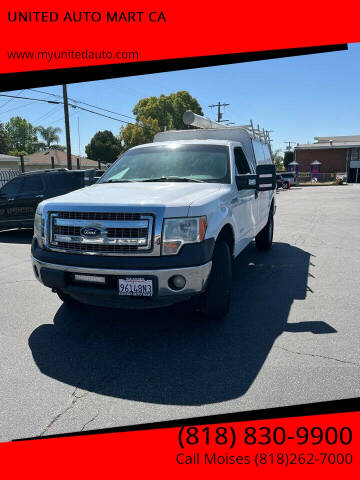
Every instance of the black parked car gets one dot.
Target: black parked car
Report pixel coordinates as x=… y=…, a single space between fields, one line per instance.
x=20 y=196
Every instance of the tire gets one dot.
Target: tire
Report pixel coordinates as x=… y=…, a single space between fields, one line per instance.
x=264 y=238
x=215 y=302
x=67 y=299
x=285 y=186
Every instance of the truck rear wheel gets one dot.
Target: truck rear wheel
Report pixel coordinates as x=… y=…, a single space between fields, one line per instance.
x=215 y=302
x=264 y=238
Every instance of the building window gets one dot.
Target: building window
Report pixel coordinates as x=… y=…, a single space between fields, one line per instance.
x=354 y=154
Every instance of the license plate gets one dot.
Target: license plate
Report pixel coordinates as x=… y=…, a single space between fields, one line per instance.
x=135 y=287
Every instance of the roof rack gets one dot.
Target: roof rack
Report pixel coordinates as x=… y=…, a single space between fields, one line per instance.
x=191 y=118
x=257 y=133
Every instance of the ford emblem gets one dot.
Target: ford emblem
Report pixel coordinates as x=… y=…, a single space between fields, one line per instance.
x=90 y=232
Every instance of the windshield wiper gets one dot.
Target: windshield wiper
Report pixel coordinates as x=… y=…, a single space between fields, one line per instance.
x=118 y=181
x=172 y=179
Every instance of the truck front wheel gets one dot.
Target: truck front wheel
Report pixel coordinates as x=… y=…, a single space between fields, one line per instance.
x=215 y=301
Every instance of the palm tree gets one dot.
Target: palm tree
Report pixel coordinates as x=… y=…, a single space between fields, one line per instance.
x=50 y=137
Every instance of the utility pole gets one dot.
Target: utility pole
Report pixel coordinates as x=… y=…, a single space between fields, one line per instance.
x=79 y=136
x=288 y=148
x=22 y=163
x=67 y=128
x=219 y=113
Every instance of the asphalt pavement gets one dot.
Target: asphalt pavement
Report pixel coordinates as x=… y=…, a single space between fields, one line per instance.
x=292 y=337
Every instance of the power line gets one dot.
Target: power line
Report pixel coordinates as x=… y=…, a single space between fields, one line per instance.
x=104 y=109
x=16 y=108
x=49 y=113
x=29 y=98
x=47 y=93
x=61 y=118
x=5 y=103
x=84 y=103
x=73 y=106
x=70 y=105
x=100 y=114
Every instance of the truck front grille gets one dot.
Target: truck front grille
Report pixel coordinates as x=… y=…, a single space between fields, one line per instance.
x=111 y=232
x=99 y=215
x=88 y=247
x=107 y=233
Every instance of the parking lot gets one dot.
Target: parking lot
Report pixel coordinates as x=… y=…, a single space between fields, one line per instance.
x=293 y=334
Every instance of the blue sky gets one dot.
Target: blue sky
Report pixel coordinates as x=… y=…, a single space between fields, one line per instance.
x=298 y=98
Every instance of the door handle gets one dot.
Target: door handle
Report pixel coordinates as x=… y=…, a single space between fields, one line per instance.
x=11 y=199
x=39 y=196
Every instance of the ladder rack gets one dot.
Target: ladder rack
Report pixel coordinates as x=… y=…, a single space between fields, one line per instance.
x=257 y=133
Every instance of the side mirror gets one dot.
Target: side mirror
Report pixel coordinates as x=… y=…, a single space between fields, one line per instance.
x=246 y=182
x=266 y=177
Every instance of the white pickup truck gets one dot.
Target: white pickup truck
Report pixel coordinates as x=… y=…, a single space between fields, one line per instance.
x=163 y=224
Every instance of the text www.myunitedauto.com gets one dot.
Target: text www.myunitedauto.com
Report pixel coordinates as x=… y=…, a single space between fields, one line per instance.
x=53 y=55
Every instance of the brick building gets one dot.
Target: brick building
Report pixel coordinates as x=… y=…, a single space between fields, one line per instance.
x=330 y=155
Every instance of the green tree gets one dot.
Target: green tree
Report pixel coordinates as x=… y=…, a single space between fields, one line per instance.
x=104 y=147
x=141 y=132
x=17 y=153
x=278 y=160
x=22 y=135
x=288 y=158
x=4 y=140
x=50 y=137
x=167 y=109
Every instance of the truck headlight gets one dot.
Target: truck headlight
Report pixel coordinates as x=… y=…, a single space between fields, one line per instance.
x=39 y=227
x=178 y=231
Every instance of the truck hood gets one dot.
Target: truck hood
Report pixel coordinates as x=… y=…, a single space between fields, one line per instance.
x=175 y=195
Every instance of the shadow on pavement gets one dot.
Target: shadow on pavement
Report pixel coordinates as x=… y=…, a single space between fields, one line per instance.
x=23 y=236
x=171 y=356
x=313 y=327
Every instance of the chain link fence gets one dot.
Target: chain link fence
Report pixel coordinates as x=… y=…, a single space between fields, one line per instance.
x=6 y=175
x=320 y=177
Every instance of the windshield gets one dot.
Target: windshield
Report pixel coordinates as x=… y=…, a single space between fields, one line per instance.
x=177 y=162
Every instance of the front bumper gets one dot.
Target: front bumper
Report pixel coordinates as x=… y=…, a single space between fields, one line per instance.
x=60 y=277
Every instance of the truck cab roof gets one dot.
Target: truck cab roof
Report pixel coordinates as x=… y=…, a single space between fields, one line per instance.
x=227 y=143
x=256 y=150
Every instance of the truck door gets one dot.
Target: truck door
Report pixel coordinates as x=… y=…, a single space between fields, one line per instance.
x=25 y=202
x=8 y=194
x=262 y=156
x=244 y=204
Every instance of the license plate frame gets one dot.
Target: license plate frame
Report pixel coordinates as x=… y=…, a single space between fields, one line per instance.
x=137 y=287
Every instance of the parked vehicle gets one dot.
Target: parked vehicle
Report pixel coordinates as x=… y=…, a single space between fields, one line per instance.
x=291 y=177
x=20 y=196
x=282 y=182
x=163 y=223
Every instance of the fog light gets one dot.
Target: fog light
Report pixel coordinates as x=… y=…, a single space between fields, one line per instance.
x=177 y=282
x=89 y=278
